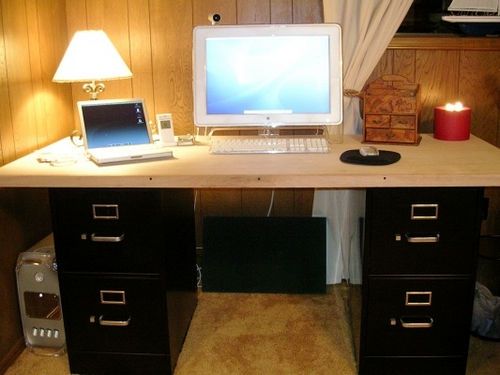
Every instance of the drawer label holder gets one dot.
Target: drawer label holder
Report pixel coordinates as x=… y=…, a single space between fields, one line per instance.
x=105 y=211
x=417 y=298
x=112 y=297
x=424 y=211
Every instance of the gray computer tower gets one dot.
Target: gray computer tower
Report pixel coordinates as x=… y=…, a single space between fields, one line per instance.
x=39 y=301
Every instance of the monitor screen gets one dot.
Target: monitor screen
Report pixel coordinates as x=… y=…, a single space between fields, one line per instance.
x=267 y=75
x=115 y=122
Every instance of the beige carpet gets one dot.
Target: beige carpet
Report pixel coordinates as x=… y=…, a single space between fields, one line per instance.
x=267 y=334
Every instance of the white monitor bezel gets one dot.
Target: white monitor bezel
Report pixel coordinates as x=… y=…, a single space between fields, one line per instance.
x=202 y=119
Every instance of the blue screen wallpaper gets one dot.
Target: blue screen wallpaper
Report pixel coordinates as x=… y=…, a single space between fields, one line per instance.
x=283 y=74
x=115 y=125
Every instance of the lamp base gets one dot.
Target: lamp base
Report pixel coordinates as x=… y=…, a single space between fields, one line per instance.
x=93 y=89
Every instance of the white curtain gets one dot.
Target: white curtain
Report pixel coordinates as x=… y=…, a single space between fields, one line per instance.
x=367 y=28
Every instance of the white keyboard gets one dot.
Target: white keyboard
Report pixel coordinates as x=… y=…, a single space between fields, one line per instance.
x=269 y=145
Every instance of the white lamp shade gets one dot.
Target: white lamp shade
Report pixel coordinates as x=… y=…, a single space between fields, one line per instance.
x=91 y=56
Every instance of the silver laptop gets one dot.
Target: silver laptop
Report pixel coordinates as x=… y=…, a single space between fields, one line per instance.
x=117 y=131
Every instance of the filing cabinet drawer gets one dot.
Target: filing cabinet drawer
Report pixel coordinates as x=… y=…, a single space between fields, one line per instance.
x=119 y=230
x=422 y=231
x=114 y=314
x=105 y=208
x=136 y=252
x=417 y=316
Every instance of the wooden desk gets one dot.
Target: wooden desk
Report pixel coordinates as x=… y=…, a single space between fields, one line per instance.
x=432 y=163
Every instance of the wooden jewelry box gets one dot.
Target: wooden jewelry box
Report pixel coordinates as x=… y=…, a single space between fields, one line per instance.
x=391 y=111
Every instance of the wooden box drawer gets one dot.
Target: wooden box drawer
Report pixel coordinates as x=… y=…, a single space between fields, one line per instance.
x=404 y=104
x=378 y=104
x=390 y=135
x=114 y=314
x=403 y=122
x=390 y=104
x=421 y=231
x=417 y=316
x=378 y=121
x=387 y=121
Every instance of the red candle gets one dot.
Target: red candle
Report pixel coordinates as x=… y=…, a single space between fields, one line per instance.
x=452 y=122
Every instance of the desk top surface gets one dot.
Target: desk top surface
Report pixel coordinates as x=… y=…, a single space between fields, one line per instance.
x=432 y=163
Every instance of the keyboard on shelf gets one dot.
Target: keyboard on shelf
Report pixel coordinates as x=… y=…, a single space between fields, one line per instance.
x=269 y=145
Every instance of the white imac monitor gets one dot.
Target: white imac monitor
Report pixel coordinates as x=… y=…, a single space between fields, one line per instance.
x=267 y=75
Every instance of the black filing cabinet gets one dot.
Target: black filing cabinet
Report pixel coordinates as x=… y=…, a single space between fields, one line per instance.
x=127 y=275
x=419 y=264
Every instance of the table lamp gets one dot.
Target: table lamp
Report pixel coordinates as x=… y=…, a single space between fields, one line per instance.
x=91 y=57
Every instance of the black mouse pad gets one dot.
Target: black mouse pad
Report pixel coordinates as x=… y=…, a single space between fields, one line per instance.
x=383 y=157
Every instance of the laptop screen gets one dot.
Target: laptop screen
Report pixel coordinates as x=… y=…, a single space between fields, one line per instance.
x=110 y=123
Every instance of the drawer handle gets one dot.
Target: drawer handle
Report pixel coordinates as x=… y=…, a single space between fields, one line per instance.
x=113 y=323
x=422 y=239
x=416 y=322
x=95 y=238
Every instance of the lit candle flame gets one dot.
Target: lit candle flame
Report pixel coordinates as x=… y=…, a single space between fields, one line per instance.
x=457 y=107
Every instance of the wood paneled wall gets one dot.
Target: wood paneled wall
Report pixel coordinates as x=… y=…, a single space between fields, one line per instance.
x=34 y=111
